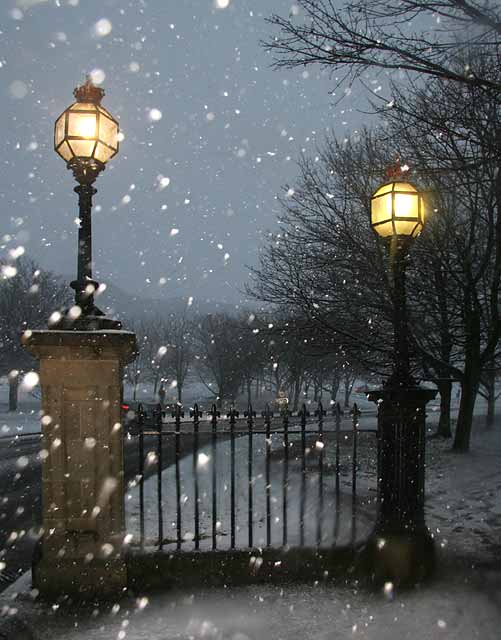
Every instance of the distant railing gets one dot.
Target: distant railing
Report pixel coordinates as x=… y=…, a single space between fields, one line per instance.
x=273 y=480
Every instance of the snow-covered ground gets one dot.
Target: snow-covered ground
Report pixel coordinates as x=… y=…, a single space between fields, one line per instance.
x=463 y=602
x=312 y=512
x=464 y=495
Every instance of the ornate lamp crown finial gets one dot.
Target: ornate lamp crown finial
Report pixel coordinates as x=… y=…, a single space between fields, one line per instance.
x=396 y=170
x=88 y=92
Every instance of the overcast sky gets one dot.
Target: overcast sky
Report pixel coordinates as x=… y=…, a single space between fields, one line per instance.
x=212 y=135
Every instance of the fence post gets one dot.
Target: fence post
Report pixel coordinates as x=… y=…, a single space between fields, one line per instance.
x=196 y=425
x=250 y=478
x=337 y=417
x=285 y=421
x=178 y=475
x=355 y=415
x=159 y=425
x=140 y=422
x=267 y=423
x=320 y=448
x=214 y=475
x=232 y=479
x=302 y=499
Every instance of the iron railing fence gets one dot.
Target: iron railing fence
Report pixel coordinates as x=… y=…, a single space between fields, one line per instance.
x=257 y=481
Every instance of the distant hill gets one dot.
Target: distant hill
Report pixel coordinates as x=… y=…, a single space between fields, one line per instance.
x=123 y=305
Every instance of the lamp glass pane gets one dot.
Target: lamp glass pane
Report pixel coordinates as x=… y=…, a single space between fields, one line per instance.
x=384 y=230
x=82 y=125
x=59 y=130
x=64 y=151
x=101 y=109
x=103 y=153
x=384 y=189
x=108 y=131
x=82 y=106
x=421 y=201
x=404 y=227
x=381 y=209
x=406 y=205
x=82 y=148
x=404 y=186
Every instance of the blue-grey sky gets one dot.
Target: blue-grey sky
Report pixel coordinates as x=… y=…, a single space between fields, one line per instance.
x=185 y=205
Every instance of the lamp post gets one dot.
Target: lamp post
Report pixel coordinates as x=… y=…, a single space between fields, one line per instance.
x=86 y=137
x=401 y=547
x=81 y=377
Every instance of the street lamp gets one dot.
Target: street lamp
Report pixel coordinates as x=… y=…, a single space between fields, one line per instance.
x=401 y=547
x=86 y=137
x=397 y=216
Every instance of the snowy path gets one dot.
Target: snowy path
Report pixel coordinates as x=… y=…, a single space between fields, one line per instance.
x=312 y=514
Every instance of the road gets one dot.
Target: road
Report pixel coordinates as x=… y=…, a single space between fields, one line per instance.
x=20 y=479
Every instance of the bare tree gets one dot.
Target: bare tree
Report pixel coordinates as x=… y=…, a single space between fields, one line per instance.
x=221 y=356
x=144 y=363
x=326 y=264
x=28 y=296
x=414 y=36
x=454 y=132
x=180 y=333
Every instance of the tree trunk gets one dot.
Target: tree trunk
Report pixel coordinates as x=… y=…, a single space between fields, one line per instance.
x=256 y=394
x=13 y=389
x=348 y=386
x=155 y=385
x=277 y=381
x=334 y=387
x=491 y=412
x=297 y=389
x=471 y=379
x=469 y=390
x=249 y=391
x=136 y=382
x=444 y=422
x=179 y=392
x=491 y=398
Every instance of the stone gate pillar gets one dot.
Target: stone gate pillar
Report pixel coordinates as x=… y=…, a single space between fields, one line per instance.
x=81 y=373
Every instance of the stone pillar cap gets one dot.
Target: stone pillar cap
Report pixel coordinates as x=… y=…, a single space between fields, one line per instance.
x=82 y=344
x=410 y=395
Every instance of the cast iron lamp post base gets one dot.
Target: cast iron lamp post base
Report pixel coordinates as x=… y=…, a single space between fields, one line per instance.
x=404 y=560
x=401 y=548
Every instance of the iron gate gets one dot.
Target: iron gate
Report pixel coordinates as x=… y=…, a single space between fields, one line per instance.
x=211 y=482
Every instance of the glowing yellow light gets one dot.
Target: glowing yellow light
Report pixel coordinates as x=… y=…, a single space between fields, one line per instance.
x=85 y=126
x=397 y=209
x=405 y=205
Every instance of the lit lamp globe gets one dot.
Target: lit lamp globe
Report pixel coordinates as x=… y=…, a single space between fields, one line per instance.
x=86 y=134
x=397 y=211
